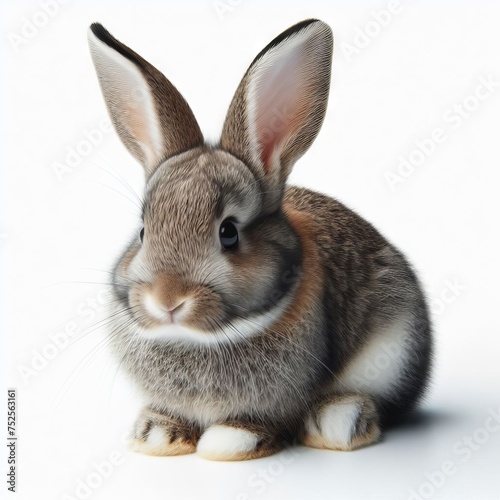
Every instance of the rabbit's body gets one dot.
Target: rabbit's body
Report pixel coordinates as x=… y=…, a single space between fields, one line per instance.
x=364 y=328
x=250 y=313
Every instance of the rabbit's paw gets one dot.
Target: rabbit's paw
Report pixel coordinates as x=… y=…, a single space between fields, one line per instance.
x=161 y=435
x=236 y=441
x=344 y=422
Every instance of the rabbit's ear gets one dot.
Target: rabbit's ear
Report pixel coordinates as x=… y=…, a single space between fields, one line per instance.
x=280 y=104
x=151 y=117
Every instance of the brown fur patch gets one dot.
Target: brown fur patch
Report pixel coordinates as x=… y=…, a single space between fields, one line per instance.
x=311 y=281
x=169 y=290
x=176 y=448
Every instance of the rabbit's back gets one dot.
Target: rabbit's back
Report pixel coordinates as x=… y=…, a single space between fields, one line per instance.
x=377 y=325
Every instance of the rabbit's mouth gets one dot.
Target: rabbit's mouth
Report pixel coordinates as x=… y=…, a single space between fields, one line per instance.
x=195 y=317
x=169 y=304
x=227 y=332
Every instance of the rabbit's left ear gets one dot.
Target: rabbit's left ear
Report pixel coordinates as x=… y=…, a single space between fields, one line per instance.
x=150 y=115
x=280 y=104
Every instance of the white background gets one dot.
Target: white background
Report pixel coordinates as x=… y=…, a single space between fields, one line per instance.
x=60 y=234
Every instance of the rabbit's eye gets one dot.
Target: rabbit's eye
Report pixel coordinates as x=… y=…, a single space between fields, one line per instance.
x=141 y=235
x=228 y=235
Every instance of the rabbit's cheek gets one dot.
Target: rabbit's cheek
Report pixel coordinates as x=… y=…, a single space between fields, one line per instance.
x=142 y=309
x=206 y=310
x=124 y=268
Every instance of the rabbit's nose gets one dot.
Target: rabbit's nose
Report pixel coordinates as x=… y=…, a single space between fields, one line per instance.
x=176 y=308
x=170 y=291
x=168 y=312
x=173 y=313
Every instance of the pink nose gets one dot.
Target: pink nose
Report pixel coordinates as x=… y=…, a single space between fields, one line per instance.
x=170 y=293
x=173 y=312
x=174 y=309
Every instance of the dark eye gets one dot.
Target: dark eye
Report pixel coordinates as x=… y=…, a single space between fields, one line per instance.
x=141 y=235
x=228 y=235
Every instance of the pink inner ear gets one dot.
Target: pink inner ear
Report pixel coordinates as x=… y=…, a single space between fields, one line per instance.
x=281 y=103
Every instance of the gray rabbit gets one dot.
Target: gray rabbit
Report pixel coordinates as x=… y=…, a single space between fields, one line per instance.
x=249 y=312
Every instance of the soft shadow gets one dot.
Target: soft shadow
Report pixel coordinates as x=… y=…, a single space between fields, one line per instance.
x=425 y=418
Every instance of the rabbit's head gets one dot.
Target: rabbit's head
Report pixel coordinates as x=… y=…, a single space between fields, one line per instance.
x=216 y=258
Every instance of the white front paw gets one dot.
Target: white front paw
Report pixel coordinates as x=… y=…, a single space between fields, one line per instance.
x=223 y=442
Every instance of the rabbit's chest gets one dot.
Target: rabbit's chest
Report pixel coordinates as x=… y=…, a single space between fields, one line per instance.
x=216 y=376
x=209 y=386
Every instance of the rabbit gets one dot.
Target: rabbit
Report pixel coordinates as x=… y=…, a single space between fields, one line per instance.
x=253 y=315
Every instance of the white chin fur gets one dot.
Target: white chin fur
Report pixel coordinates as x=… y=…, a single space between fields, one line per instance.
x=238 y=330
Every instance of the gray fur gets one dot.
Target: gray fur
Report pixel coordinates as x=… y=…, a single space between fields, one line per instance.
x=334 y=279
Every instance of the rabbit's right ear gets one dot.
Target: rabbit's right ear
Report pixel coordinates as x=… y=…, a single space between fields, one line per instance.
x=151 y=117
x=280 y=104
